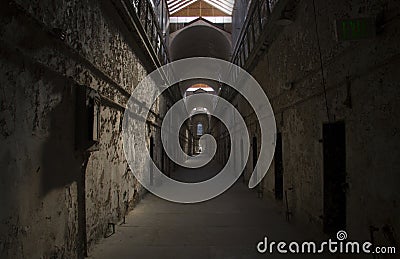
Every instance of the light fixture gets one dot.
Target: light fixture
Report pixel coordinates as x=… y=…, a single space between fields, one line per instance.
x=285 y=19
x=287 y=86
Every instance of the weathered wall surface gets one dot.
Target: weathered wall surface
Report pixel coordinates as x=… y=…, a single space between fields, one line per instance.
x=365 y=71
x=53 y=196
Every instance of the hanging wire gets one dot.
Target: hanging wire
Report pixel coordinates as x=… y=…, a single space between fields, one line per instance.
x=321 y=63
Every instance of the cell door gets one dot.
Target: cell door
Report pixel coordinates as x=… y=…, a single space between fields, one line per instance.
x=334 y=151
x=278 y=168
x=152 y=158
x=255 y=151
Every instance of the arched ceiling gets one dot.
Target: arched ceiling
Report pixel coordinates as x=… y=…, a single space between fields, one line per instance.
x=200 y=39
x=200 y=103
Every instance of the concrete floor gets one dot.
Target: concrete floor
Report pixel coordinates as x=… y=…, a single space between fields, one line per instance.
x=229 y=226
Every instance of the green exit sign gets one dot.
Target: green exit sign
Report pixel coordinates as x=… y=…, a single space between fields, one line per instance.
x=355 y=29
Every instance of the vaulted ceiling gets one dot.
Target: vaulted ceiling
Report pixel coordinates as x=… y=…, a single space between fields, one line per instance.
x=225 y=6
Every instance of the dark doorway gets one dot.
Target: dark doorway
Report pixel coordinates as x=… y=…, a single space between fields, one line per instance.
x=241 y=159
x=152 y=158
x=255 y=152
x=334 y=150
x=278 y=168
x=241 y=153
x=162 y=163
x=260 y=188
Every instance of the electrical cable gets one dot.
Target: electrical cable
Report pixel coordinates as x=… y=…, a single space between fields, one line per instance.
x=321 y=63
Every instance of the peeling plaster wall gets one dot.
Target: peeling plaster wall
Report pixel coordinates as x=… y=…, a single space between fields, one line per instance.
x=372 y=124
x=49 y=203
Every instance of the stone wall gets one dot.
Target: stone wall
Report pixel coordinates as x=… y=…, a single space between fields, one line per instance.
x=55 y=196
x=362 y=90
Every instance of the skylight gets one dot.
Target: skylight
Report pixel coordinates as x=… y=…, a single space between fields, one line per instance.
x=203 y=87
x=225 y=6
